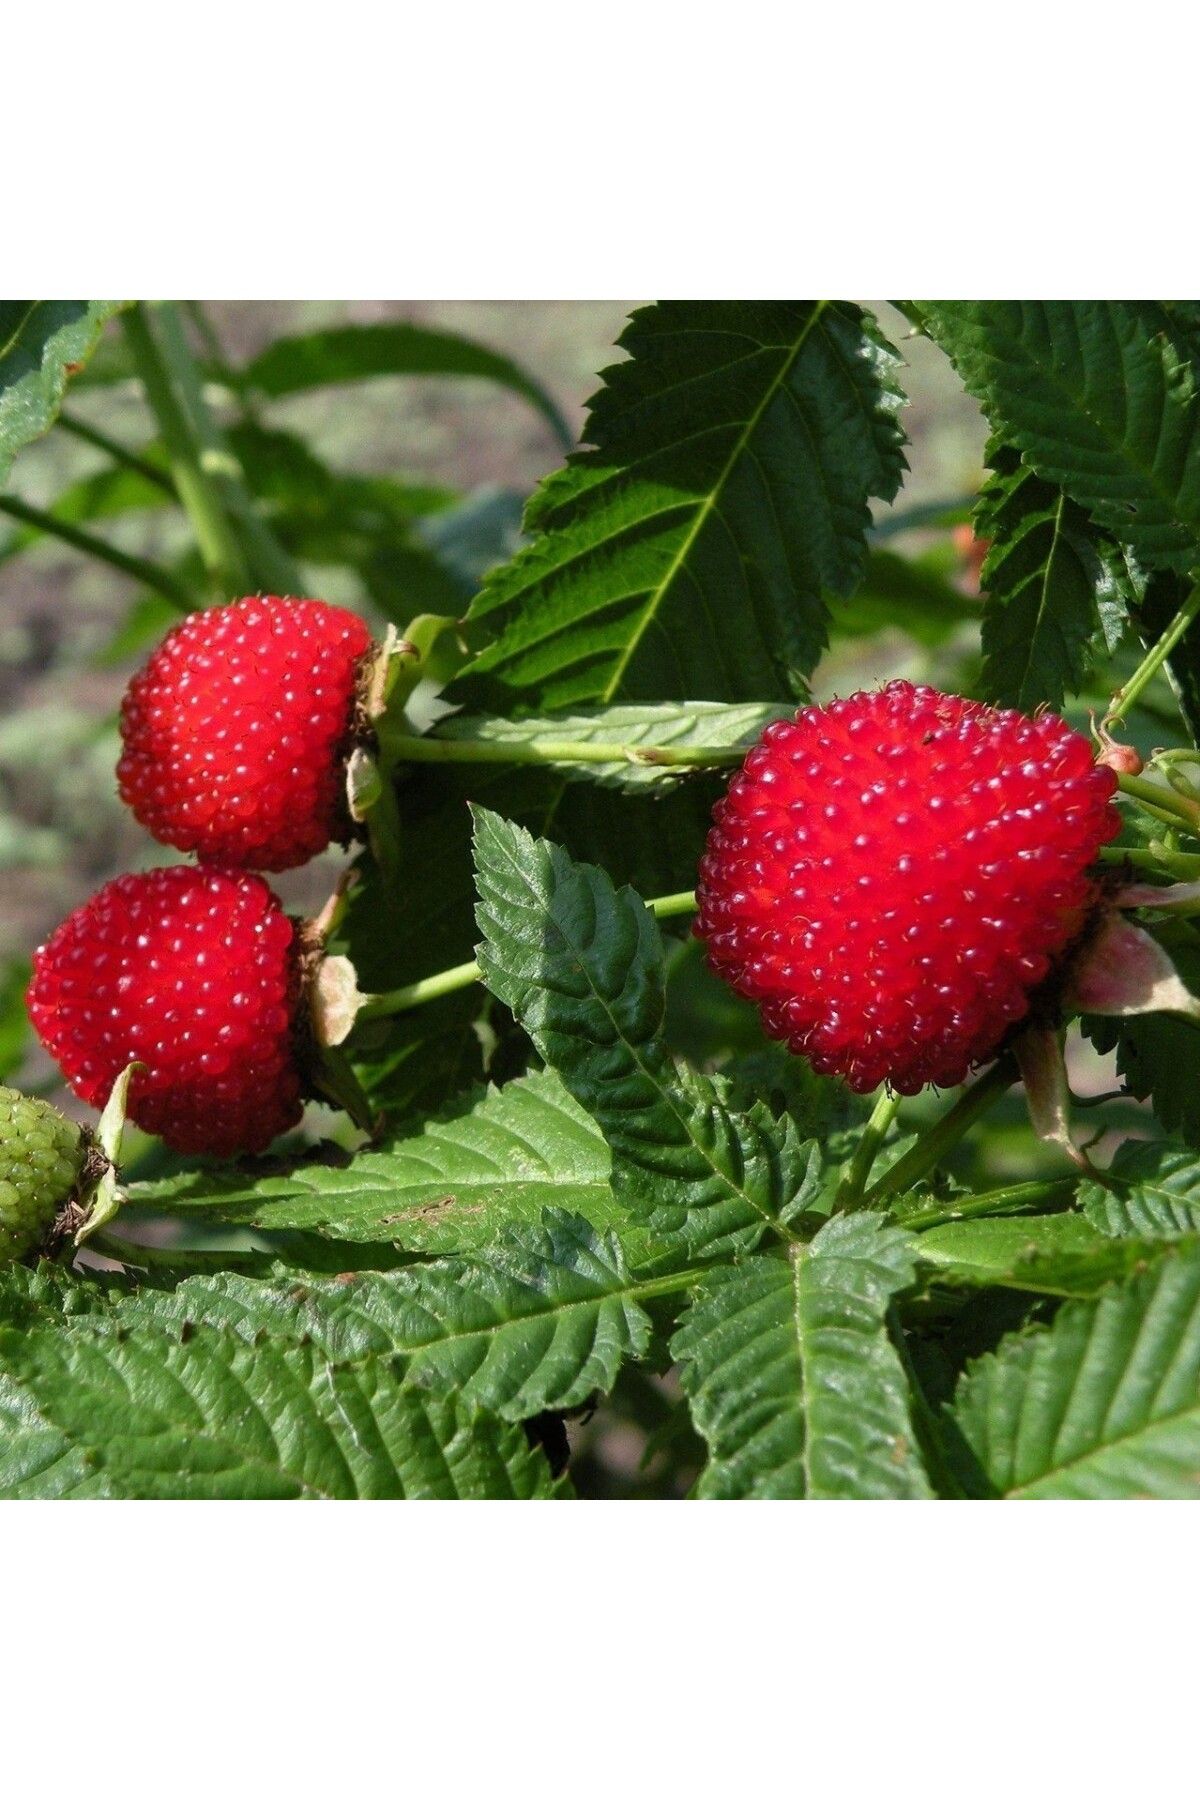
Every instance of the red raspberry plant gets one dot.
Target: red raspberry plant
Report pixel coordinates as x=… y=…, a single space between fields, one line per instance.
x=571 y=1157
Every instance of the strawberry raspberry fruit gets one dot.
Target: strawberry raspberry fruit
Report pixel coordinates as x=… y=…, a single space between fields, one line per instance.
x=237 y=730
x=42 y=1157
x=195 y=973
x=891 y=877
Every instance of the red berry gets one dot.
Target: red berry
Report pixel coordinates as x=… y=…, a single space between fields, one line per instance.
x=195 y=973
x=237 y=729
x=891 y=876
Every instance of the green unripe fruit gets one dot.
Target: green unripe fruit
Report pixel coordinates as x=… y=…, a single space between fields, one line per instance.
x=42 y=1157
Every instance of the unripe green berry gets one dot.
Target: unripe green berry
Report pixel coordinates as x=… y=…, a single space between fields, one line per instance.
x=42 y=1158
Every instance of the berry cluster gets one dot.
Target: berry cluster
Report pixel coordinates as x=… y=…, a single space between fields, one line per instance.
x=891 y=878
x=235 y=739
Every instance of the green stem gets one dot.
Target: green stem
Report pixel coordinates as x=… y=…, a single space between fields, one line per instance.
x=1162 y=861
x=943 y=1136
x=419 y=993
x=1155 y=657
x=128 y=459
x=449 y=981
x=1163 y=802
x=673 y=906
x=151 y=574
x=215 y=537
x=560 y=750
x=994 y=1204
x=269 y=562
x=875 y=1130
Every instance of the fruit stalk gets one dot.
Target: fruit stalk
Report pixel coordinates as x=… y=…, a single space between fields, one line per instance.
x=1163 y=802
x=943 y=1136
x=850 y=1194
x=1154 y=658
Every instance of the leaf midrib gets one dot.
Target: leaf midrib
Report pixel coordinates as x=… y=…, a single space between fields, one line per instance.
x=798 y=1255
x=633 y=1289
x=705 y=509
x=1094 y=1452
x=1044 y=595
x=7 y=348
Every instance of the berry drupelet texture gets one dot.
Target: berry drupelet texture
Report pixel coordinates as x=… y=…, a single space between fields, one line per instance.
x=236 y=732
x=196 y=974
x=41 y=1162
x=890 y=878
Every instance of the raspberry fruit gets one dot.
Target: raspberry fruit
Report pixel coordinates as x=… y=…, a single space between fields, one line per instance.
x=42 y=1160
x=891 y=876
x=195 y=973
x=237 y=730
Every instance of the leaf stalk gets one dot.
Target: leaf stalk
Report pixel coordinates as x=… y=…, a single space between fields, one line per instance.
x=449 y=981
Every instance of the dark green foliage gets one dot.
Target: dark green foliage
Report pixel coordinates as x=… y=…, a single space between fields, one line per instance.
x=1058 y=591
x=599 y=1208
x=687 y=552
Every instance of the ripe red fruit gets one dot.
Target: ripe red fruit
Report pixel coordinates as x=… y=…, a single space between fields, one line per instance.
x=237 y=729
x=891 y=876
x=194 y=972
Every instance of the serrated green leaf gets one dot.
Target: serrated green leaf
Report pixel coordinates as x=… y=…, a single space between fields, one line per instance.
x=580 y=964
x=792 y=1377
x=48 y=1293
x=1156 y=1052
x=1056 y=590
x=498 y=1159
x=42 y=343
x=1102 y=1405
x=542 y=1320
x=1152 y=1190
x=1100 y=398
x=673 y=725
x=202 y=1414
x=345 y=353
x=1058 y=1253
x=686 y=553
